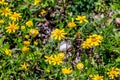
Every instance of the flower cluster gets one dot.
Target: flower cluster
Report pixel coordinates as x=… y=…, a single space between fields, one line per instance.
x=81 y=19
x=55 y=59
x=42 y=39
x=93 y=40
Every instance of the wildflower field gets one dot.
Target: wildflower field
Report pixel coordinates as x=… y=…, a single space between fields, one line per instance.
x=59 y=39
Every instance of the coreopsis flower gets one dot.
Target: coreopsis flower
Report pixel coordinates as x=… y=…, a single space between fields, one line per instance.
x=71 y=24
x=22 y=27
x=49 y=59
x=2 y=2
x=1 y=21
x=27 y=36
x=24 y=66
x=25 y=49
x=12 y=27
x=26 y=43
x=6 y=12
x=33 y=32
x=61 y=55
x=43 y=12
x=67 y=70
x=56 y=60
x=58 y=34
x=97 y=77
x=8 y=52
x=15 y=16
x=36 y=2
x=80 y=66
x=93 y=40
x=112 y=73
x=81 y=19
x=29 y=23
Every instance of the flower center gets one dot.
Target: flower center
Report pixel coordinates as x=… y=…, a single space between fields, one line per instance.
x=58 y=33
x=93 y=39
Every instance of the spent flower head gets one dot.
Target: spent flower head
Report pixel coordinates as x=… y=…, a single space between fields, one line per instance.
x=71 y=24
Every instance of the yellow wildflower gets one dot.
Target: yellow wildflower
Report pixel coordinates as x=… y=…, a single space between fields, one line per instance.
x=49 y=59
x=2 y=2
x=71 y=24
x=112 y=73
x=27 y=36
x=58 y=34
x=29 y=23
x=12 y=27
x=97 y=77
x=22 y=27
x=80 y=66
x=8 y=52
x=1 y=21
x=25 y=49
x=56 y=60
x=67 y=70
x=61 y=55
x=15 y=16
x=93 y=40
x=36 y=2
x=82 y=19
x=24 y=66
x=33 y=32
x=26 y=43
x=43 y=12
x=6 y=12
